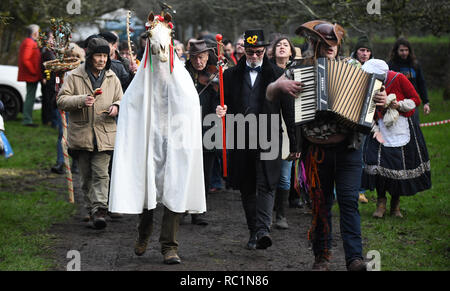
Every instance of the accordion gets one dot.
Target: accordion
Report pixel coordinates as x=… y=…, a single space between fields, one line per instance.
x=337 y=88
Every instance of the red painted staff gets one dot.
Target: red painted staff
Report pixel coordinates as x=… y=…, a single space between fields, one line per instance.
x=220 y=63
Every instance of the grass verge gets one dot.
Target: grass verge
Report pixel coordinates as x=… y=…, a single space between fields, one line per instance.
x=31 y=199
x=419 y=241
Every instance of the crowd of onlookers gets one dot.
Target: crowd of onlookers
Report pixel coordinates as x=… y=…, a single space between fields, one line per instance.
x=106 y=50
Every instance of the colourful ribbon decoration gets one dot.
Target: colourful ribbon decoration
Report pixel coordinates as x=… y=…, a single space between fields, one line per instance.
x=147 y=54
x=171 y=46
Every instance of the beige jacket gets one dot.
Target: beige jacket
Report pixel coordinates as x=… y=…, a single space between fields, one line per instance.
x=85 y=122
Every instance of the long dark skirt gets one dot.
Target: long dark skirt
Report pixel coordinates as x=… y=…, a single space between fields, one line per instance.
x=401 y=170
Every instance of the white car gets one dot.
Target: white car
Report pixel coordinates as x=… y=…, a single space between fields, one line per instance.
x=13 y=92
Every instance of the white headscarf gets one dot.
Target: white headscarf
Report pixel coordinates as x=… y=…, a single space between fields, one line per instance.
x=376 y=66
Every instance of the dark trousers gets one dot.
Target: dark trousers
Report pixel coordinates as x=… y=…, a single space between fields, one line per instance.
x=341 y=167
x=257 y=197
x=208 y=166
x=47 y=110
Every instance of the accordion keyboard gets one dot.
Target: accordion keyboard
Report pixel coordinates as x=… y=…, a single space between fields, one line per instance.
x=305 y=104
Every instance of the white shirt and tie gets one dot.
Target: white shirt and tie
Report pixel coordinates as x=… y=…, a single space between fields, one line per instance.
x=253 y=73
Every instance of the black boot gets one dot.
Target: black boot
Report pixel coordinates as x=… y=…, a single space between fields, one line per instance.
x=199 y=219
x=58 y=168
x=74 y=167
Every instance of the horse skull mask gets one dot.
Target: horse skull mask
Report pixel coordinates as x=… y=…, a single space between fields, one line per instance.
x=159 y=33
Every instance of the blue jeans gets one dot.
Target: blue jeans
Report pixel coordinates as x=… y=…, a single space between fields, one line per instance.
x=285 y=175
x=341 y=167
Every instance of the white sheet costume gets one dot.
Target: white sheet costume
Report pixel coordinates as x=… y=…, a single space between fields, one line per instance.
x=158 y=151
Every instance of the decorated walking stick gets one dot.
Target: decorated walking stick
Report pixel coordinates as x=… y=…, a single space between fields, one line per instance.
x=65 y=146
x=130 y=51
x=220 y=64
x=60 y=65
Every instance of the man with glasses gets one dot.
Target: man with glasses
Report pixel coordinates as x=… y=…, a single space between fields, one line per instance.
x=257 y=178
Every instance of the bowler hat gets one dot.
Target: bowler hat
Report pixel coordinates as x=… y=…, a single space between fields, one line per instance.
x=254 y=38
x=197 y=47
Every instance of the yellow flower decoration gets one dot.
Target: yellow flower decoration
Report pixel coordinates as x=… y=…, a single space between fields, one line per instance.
x=252 y=40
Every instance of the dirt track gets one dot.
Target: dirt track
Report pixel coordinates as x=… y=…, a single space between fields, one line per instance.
x=219 y=246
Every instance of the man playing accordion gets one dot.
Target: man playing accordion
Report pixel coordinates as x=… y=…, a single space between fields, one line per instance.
x=332 y=155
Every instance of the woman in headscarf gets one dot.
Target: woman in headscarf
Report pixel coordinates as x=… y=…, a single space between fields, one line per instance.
x=396 y=159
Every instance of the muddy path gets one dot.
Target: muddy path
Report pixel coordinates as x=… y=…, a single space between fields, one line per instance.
x=219 y=246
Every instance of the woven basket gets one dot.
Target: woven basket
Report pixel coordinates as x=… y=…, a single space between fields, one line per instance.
x=67 y=64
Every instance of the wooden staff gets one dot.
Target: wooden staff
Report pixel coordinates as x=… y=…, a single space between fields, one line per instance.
x=130 y=51
x=220 y=63
x=65 y=146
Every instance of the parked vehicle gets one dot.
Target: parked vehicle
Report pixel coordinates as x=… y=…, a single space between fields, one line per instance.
x=13 y=92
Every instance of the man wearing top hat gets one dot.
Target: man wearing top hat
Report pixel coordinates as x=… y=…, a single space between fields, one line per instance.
x=200 y=59
x=244 y=93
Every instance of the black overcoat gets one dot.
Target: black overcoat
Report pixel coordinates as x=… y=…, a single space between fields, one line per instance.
x=233 y=84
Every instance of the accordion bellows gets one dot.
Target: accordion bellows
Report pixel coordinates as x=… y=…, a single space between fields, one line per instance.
x=336 y=87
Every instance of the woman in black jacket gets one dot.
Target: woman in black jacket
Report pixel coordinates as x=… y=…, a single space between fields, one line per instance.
x=403 y=60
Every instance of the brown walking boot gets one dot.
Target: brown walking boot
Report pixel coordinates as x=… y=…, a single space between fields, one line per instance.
x=145 y=229
x=171 y=257
x=98 y=218
x=357 y=265
x=381 y=207
x=395 y=207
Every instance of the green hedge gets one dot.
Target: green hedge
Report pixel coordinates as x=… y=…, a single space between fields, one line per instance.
x=431 y=52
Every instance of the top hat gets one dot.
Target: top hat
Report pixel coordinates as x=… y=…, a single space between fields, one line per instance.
x=197 y=47
x=254 y=38
x=331 y=34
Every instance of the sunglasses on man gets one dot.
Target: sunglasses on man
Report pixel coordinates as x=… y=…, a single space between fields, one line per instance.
x=250 y=52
